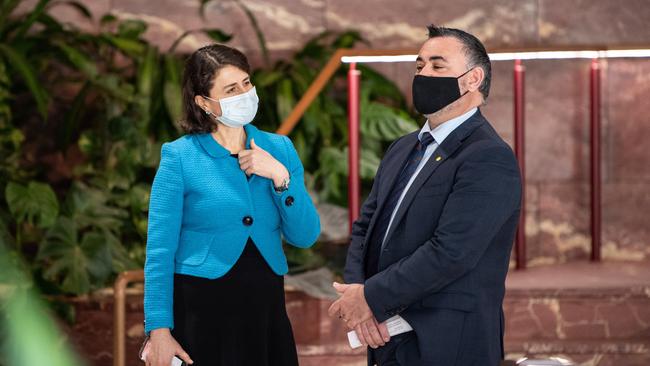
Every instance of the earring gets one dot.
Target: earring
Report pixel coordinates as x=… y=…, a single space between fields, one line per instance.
x=207 y=111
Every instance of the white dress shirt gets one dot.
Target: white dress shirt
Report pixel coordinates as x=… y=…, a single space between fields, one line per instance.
x=439 y=134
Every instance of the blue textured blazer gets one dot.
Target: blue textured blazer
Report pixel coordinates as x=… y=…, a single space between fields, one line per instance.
x=203 y=210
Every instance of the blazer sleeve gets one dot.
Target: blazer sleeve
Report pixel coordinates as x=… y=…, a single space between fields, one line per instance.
x=300 y=223
x=486 y=193
x=165 y=214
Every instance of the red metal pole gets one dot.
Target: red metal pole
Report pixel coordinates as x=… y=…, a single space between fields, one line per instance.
x=519 y=106
x=354 y=184
x=594 y=87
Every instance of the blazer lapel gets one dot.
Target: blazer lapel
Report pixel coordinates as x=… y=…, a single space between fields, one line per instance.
x=448 y=148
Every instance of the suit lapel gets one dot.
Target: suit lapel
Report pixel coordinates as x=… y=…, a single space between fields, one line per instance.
x=393 y=164
x=440 y=155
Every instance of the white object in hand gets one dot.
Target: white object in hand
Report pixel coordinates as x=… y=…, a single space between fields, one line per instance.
x=175 y=361
x=396 y=325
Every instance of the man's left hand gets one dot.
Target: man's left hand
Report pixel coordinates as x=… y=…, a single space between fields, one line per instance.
x=351 y=306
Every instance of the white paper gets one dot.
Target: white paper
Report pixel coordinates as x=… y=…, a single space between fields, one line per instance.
x=175 y=361
x=396 y=325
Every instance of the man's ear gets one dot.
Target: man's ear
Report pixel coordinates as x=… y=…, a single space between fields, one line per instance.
x=475 y=78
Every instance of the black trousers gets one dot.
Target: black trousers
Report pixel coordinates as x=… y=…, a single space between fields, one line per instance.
x=237 y=319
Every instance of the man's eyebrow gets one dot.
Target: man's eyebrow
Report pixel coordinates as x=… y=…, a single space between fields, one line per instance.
x=432 y=58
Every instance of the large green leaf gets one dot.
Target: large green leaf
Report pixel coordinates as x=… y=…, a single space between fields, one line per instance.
x=19 y=63
x=379 y=87
x=384 y=123
x=35 y=203
x=218 y=35
x=332 y=171
x=72 y=262
x=131 y=47
x=90 y=208
x=284 y=98
x=131 y=28
x=79 y=60
x=146 y=77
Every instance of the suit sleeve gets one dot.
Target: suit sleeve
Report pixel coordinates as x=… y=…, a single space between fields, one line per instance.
x=354 y=262
x=300 y=223
x=165 y=214
x=486 y=193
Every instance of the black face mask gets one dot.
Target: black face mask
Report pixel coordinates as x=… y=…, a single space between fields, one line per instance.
x=433 y=93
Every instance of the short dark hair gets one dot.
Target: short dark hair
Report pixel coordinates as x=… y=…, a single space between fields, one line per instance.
x=474 y=52
x=198 y=78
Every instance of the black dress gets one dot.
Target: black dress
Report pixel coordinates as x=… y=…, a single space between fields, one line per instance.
x=237 y=319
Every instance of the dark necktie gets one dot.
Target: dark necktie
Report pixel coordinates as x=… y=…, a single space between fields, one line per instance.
x=381 y=226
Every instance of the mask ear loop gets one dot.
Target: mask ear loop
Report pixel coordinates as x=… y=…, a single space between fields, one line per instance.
x=209 y=113
x=460 y=76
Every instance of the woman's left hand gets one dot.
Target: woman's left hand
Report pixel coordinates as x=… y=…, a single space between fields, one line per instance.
x=259 y=161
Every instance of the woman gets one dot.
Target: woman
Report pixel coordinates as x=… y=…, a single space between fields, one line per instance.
x=222 y=196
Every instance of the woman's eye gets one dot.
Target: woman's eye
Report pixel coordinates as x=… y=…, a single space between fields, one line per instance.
x=247 y=82
x=230 y=91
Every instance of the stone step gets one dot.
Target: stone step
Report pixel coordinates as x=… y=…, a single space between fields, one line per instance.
x=594 y=314
x=591 y=313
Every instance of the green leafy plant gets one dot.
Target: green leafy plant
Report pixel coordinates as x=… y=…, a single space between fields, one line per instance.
x=83 y=116
x=321 y=138
x=104 y=102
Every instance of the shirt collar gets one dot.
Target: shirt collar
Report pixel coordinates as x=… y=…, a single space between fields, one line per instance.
x=443 y=130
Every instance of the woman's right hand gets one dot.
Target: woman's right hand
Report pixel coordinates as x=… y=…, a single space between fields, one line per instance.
x=162 y=347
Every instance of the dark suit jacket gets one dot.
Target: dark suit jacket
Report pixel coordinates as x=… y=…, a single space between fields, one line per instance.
x=446 y=256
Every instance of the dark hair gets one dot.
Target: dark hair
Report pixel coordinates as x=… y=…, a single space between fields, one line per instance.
x=475 y=52
x=198 y=78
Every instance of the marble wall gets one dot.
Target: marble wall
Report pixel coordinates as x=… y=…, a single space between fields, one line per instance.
x=557 y=92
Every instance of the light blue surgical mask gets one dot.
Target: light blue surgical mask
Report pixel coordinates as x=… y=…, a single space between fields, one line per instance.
x=239 y=110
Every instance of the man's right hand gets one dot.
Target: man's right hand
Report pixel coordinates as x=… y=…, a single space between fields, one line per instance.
x=162 y=347
x=372 y=333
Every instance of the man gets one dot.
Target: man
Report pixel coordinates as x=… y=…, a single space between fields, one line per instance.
x=433 y=241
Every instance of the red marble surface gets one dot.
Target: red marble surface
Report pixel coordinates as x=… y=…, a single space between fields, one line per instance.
x=593 y=22
x=594 y=314
x=399 y=25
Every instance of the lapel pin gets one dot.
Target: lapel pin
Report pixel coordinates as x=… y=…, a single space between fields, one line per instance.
x=438 y=158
